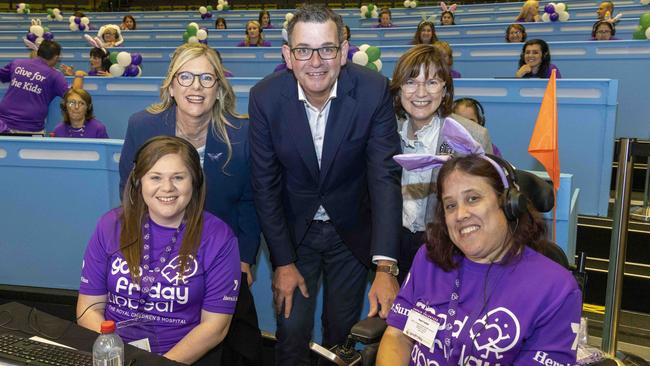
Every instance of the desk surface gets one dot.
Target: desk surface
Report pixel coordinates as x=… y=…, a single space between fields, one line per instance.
x=17 y=316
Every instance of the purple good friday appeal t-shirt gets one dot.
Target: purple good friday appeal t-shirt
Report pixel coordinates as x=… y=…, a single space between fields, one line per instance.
x=173 y=306
x=523 y=313
x=92 y=129
x=33 y=85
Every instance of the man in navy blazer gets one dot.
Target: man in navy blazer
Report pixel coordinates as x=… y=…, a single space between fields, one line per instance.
x=326 y=189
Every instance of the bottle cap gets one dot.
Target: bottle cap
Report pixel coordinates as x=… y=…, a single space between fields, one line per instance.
x=108 y=326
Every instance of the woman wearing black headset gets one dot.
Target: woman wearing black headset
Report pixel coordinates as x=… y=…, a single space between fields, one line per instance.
x=480 y=291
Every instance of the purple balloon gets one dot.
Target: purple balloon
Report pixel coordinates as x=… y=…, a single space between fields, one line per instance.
x=136 y=58
x=48 y=36
x=31 y=37
x=82 y=26
x=549 y=8
x=131 y=70
x=77 y=20
x=209 y=15
x=554 y=17
x=203 y=16
x=204 y=41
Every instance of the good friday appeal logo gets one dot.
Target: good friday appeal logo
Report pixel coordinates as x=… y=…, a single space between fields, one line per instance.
x=169 y=290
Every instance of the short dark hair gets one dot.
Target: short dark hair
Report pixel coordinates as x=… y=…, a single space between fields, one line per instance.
x=222 y=20
x=520 y=28
x=349 y=33
x=85 y=96
x=546 y=58
x=315 y=13
x=451 y=13
x=528 y=230
x=594 y=29
x=48 y=50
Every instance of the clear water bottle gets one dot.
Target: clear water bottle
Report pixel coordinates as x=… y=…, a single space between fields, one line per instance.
x=108 y=349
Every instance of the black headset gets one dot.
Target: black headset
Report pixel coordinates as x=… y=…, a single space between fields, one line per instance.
x=514 y=203
x=595 y=27
x=479 y=108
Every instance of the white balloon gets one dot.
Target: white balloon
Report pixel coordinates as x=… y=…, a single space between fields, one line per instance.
x=201 y=34
x=560 y=7
x=363 y=9
x=546 y=17
x=647 y=33
x=289 y=16
x=116 y=70
x=56 y=11
x=192 y=39
x=85 y=21
x=71 y=19
x=220 y=2
x=220 y=7
x=21 y=6
x=360 y=58
x=407 y=3
x=413 y=4
x=124 y=59
x=59 y=17
x=564 y=16
x=74 y=27
x=37 y=30
x=38 y=41
x=139 y=72
x=374 y=14
x=193 y=24
x=203 y=10
x=378 y=64
x=364 y=47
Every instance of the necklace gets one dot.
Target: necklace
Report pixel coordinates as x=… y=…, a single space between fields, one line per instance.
x=76 y=131
x=199 y=136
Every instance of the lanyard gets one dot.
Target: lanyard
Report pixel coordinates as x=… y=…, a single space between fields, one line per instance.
x=451 y=314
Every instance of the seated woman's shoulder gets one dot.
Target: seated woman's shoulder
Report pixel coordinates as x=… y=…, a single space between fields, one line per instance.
x=214 y=227
x=543 y=270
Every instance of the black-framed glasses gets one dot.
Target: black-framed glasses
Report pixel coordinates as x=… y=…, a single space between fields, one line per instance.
x=186 y=79
x=325 y=53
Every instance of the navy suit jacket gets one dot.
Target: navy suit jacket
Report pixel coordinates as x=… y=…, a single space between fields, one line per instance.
x=358 y=182
x=229 y=195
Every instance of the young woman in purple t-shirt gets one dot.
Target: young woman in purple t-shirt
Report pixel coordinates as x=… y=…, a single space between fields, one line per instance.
x=162 y=268
x=535 y=61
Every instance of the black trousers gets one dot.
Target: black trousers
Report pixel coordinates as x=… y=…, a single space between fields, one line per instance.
x=410 y=242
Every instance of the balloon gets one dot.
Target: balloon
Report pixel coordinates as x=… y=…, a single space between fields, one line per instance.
x=205 y=41
x=564 y=16
x=647 y=33
x=288 y=16
x=186 y=36
x=203 y=10
x=201 y=35
x=113 y=57
x=59 y=17
x=638 y=34
x=368 y=14
x=48 y=36
x=371 y=7
x=363 y=47
x=50 y=12
x=72 y=18
x=204 y=16
x=131 y=70
x=413 y=4
x=37 y=30
x=372 y=66
x=192 y=28
x=31 y=37
x=554 y=17
x=56 y=11
x=124 y=59
x=220 y=2
x=82 y=27
x=139 y=71
x=373 y=53
x=549 y=8
x=77 y=20
x=560 y=7
x=208 y=15
x=363 y=9
x=644 y=21
x=219 y=7
x=360 y=58
x=39 y=40
x=74 y=27
x=546 y=17
x=136 y=58
x=378 y=64
x=116 y=70
x=85 y=20
x=192 y=39
x=209 y=8
x=407 y=3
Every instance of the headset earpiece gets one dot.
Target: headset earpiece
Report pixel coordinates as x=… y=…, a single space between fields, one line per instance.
x=514 y=202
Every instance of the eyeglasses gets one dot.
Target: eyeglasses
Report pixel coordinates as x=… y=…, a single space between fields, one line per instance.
x=515 y=33
x=76 y=103
x=186 y=79
x=432 y=86
x=607 y=31
x=325 y=53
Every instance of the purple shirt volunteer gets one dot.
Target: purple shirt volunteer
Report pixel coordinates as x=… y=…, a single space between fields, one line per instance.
x=33 y=86
x=174 y=303
x=526 y=312
x=264 y=44
x=92 y=129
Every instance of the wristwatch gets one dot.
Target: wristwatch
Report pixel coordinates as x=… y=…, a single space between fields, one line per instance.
x=392 y=269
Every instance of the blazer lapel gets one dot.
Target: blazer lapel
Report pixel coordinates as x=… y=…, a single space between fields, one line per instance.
x=339 y=121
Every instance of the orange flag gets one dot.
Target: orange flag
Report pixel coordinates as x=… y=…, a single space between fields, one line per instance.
x=544 y=143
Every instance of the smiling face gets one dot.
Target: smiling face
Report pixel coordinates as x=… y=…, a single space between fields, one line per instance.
x=475 y=221
x=422 y=104
x=167 y=190
x=316 y=76
x=128 y=22
x=253 y=32
x=603 y=33
x=109 y=36
x=76 y=108
x=533 y=55
x=95 y=62
x=426 y=33
x=265 y=19
x=384 y=20
x=195 y=102
x=447 y=19
x=515 y=35
x=221 y=25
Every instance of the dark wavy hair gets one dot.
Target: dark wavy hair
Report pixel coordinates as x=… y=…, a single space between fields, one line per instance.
x=546 y=58
x=453 y=18
x=520 y=28
x=416 y=36
x=528 y=230
x=408 y=67
x=128 y=16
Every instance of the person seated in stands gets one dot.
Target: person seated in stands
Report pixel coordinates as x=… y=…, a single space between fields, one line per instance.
x=481 y=281
x=605 y=10
x=264 y=19
x=529 y=12
x=78 y=118
x=445 y=48
x=128 y=23
x=34 y=83
x=472 y=110
x=423 y=92
x=110 y=35
x=425 y=34
x=161 y=241
x=447 y=18
x=384 y=19
x=99 y=64
x=351 y=48
x=535 y=61
x=254 y=37
x=603 y=30
x=516 y=33
x=220 y=23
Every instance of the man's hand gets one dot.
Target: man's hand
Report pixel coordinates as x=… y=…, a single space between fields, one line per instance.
x=382 y=293
x=246 y=268
x=285 y=280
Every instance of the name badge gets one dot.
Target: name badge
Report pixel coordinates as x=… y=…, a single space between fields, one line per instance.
x=421 y=328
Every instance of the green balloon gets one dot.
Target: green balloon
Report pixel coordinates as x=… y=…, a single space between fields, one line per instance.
x=209 y=7
x=186 y=36
x=27 y=6
x=638 y=35
x=113 y=57
x=373 y=53
x=371 y=66
x=46 y=29
x=191 y=30
x=368 y=14
x=226 y=7
x=371 y=7
x=644 y=21
x=50 y=12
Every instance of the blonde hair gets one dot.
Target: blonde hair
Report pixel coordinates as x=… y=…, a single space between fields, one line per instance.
x=226 y=100
x=526 y=8
x=260 y=37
